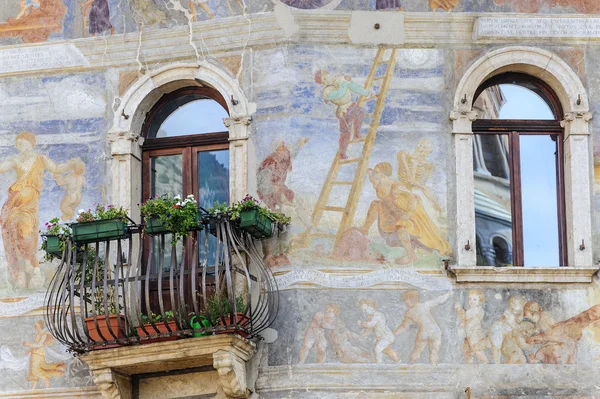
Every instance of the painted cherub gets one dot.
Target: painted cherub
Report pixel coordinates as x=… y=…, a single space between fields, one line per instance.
x=73 y=181
x=377 y=323
x=429 y=333
x=344 y=349
x=476 y=340
x=315 y=333
x=26 y=6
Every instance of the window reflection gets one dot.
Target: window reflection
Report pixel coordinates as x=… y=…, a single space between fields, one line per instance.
x=165 y=178
x=493 y=213
x=213 y=186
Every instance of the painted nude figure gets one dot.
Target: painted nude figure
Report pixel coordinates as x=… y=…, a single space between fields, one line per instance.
x=26 y=6
x=203 y=4
x=559 y=344
x=476 y=340
x=315 y=333
x=510 y=321
x=377 y=323
x=429 y=333
x=338 y=90
x=344 y=349
x=19 y=218
x=39 y=368
x=73 y=182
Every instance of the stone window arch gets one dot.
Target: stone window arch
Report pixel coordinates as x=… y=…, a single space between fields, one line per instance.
x=125 y=137
x=573 y=99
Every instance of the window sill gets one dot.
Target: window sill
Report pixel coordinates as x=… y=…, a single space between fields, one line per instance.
x=490 y=274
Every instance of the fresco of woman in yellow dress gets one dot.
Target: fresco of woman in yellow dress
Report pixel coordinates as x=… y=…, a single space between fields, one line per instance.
x=19 y=215
x=39 y=368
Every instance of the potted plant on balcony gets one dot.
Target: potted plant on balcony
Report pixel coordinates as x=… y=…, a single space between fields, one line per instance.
x=101 y=224
x=220 y=308
x=166 y=214
x=160 y=323
x=251 y=216
x=54 y=238
x=99 y=332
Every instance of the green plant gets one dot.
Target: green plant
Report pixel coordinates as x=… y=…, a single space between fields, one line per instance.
x=178 y=216
x=156 y=318
x=246 y=204
x=221 y=305
x=102 y=213
x=97 y=299
x=54 y=227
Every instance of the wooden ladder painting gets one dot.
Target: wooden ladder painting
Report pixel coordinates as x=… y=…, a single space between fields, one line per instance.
x=362 y=162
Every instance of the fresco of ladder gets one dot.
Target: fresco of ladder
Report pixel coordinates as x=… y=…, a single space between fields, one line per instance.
x=386 y=57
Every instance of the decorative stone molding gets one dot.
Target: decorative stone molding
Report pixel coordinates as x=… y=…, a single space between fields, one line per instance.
x=462 y=121
x=420 y=381
x=106 y=381
x=576 y=123
x=228 y=353
x=523 y=274
x=232 y=373
x=573 y=97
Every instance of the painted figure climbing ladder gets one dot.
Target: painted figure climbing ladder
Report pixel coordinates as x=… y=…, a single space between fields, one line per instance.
x=362 y=162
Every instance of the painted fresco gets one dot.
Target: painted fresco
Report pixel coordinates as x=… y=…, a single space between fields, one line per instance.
x=30 y=21
x=32 y=360
x=339 y=118
x=44 y=173
x=52 y=134
x=456 y=327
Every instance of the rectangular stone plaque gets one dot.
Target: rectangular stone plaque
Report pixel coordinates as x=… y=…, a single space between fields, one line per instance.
x=52 y=56
x=539 y=27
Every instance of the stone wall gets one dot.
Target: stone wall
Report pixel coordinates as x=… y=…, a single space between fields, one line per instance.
x=339 y=309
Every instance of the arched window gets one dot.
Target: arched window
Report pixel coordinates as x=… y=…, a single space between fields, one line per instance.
x=186 y=149
x=518 y=172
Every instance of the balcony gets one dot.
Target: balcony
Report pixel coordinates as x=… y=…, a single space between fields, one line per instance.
x=137 y=299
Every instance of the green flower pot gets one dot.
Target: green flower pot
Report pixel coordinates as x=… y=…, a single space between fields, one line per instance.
x=53 y=245
x=99 y=230
x=256 y=225
x=155 y=226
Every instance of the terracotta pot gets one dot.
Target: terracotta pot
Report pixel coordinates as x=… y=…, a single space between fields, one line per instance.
x=162 y=329
x=103 y=329
x=242 y=320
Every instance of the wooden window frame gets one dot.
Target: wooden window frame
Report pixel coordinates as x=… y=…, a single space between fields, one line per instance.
x=514 y=129
x=187 y=145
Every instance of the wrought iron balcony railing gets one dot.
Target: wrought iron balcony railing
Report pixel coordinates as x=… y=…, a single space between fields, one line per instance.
x=213 y=282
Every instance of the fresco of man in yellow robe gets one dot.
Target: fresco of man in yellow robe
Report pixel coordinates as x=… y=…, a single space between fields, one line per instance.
x=402 y=219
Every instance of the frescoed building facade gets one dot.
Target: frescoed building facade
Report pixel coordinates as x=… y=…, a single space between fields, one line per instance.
x=442 y=244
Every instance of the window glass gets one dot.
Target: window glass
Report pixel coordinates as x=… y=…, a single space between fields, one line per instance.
x=512 y=101
x=213 y=186
x=538 y=198
x=199 y=116
x=165 y=178
x=493 y=213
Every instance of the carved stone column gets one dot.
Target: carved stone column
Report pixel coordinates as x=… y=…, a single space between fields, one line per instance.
x=465 y=198
x=125 y=148
x=239 y=128
x=578 y=185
